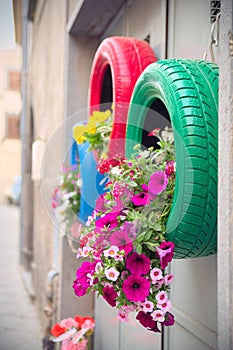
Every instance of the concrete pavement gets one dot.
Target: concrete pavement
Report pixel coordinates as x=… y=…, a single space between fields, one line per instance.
x=19 y=324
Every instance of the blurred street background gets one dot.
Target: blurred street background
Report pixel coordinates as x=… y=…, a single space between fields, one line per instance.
x=19 y=324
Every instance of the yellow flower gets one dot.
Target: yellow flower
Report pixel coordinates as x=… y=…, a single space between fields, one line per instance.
x=90 y=129
x=78 y=132
x=99 y=117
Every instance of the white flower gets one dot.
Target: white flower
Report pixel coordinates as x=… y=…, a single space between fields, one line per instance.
x=112 y=274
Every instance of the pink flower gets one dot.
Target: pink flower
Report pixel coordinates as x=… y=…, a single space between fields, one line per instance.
x=157 y=284
x=112 y=251
x=123 y=314
x=154 y=132
x=136 y=288
x=122 y=241
x=109 y=220
x=165 y=252
x=112 y=274
x=147 y=306
x=141 y=199
x=161 y=297
x=166 y=306
x=158 y=316
x=168 y=279
x=68 y=323
x=138 y=264
x=156 y=274
x=147 y=321
x=110 y=295
x=158 y=182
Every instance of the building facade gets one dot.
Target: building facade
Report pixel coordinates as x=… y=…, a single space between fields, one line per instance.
x=60 y=39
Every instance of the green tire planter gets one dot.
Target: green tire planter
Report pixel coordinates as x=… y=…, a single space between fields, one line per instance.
x=188 y=91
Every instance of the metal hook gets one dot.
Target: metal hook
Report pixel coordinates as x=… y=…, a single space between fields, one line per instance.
x=214 y=38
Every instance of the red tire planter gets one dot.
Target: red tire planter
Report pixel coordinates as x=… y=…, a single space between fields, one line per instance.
x=117 y=64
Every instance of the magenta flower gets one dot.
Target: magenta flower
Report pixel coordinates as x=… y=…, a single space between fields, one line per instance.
x=136 y=288
x=110 y=295
x=108 y=221
x=138 y=264
x=79 y=288
x=144 y=188
x=140 y=199
x=165 y=252
x=169 y=320
x=146 y=321
x=100 y=203
x=122 y=241
x=158 y=182
x=169 y=170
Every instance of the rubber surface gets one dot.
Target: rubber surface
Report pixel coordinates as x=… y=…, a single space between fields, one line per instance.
x=93 y=183
x=126 y=58
x=189 y=91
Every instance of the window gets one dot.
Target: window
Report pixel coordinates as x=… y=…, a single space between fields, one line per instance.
x=12 y=126
x=14 y=80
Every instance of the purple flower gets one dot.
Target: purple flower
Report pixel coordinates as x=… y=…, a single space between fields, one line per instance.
x=110 y=295
x=108 y=221
x=158 y=182
x=169 y=320
x=136 y=288
x=122 y=241
x=141 y=199
x=147 y=321
x=165 y=252
x=138 y=264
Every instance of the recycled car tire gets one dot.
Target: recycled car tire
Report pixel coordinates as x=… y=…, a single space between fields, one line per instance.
x=117 y=64
x=189 y=91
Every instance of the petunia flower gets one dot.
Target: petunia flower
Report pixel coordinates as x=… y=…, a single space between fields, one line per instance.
x=147 y=321
x=79 y=288
x=110 y=295
x=169 y=320
x=162 y=297
x=147 y=306
x=109 y=220
x=157 y=183
x=156 y=274
x=112 y=251
x=136 y=288
x=158 y=316
x=166 y=306
x=168 y=278
x=122 y=241
x=112 y=274
x=165 y=252
x=123 y=314
x=138 y=264
x=141 y=199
